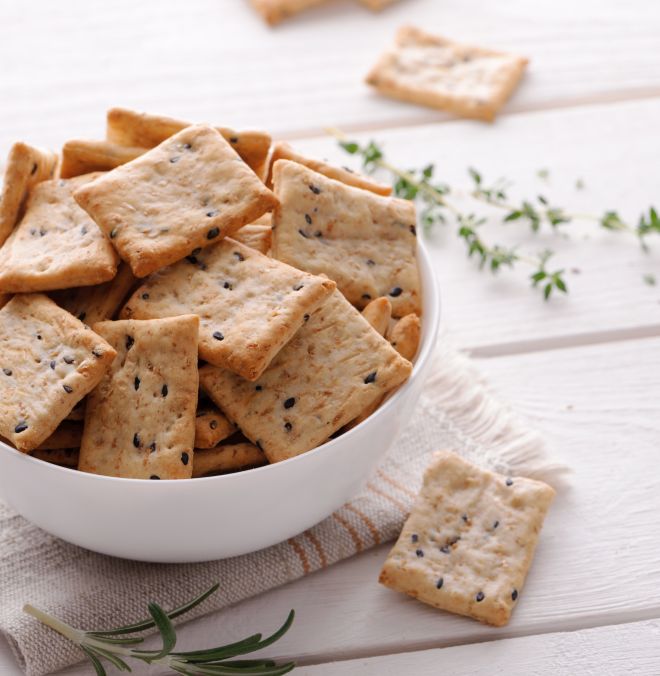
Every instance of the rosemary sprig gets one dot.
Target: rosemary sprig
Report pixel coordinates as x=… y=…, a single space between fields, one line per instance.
x=114 y=646
x=435 y=199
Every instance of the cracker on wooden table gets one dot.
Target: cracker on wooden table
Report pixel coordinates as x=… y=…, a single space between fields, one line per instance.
x=249 y=305
x=378 y=313
x=67 y=435
x=131 y=128
x=365 y=242
x=469 y=541
x=49 y=362
x=283 y=151
x=81 y=156
x=65 y=457
x=187 y=193
x=255 y=236
x=211 y=427
x=332 y=369
x=140 y=420
x=229 y=458
x=26 y=166
x=93 y=304
x=275 y=11
x=56 y=245
x=434 y=71
x=404 y=336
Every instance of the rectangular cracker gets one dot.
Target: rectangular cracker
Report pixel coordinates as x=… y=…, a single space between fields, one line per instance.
x=378 y=313
x=275 y=11
x=469 y=541
x=48 y=362
x=283 y=151
x=187 y=193
x=26 y=166
x=249 y=305
x=404 y=336
x=434 y=71
x=131 y=128
x=365 y=242
x=332 y=369
x=56 y=245
x=258 y=237
x=92 y=304
x=81 y=156
x=140 y=420
x=67 y=435
x=211 y=427
x=229 y=458
x=64 y=457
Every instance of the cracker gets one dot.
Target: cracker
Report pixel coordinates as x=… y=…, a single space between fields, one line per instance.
x=130 y=128
x=365 y=242
x=211 y=427
x=333 y=368
x=275 y=11
x=187 y=193
x=93 y=304
x=229 y=458
x=56 y=245
x=26 y=166
x=378 y=313
x=67 y=435
x=65 y=457
x=80 y=156
x=255 y=236
x=433 y=71
x=377 y=5
x=4 y=299
x=404 y=336
x=283 y=151
x=77 y=412
x=249 y=305
x=49 y=362
x=140 y=420
x=469 y=541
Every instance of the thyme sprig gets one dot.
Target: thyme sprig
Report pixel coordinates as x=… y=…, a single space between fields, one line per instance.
x=115 y=646
x=435 y=199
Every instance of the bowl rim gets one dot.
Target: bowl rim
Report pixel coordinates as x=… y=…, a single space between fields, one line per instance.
x=425 y=353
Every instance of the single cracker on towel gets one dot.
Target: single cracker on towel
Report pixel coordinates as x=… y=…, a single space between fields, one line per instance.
x=249 y=305
x=81 y=156
x=140 y=420
x=26 y=166
x=229 y=458
x=67 y=435
x=433 y=71
x=189 y=192
x=404 y=335
x=48 y=362
x=211 y=427
x=134 y=129
x=332 y=369
x=275 y=11
x=255 y=236
x=365 y=242
x=56 y=245
x=93 y=304
x=283 y=151
x=469 y=541
x=64 y=457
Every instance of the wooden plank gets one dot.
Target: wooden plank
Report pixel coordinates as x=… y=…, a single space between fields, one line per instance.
x=609 y=651
x=608 y=297
x=217 y=61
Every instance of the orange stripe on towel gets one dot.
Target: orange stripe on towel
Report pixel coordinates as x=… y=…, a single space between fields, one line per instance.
x=368 y=522
x=359 y=546
x=318 y=547
x=387 y=496
x=395 y=484
x=300 y=551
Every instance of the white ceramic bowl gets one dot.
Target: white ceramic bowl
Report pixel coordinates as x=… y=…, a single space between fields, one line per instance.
x=203 y=519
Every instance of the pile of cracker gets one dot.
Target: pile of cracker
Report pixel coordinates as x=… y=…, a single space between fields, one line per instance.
x=182 y=300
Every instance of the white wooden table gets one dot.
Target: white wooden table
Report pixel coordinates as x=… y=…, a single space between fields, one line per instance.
x=585 y=370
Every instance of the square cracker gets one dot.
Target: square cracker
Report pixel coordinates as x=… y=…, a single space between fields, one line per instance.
x=211 y=427
x=131 y=128
x=274 y=11
x=140 y=420
x=229 y=458
x=48 y=362
x=26 y=166
x=93 y=304
x=256 y=236
x=56 y=245
x=283 y=151
x=331 y=370
x=81 y=156
x=365 y=242
x=469 y=541
x=187 y=193
x=249 y=305
x=433 y=71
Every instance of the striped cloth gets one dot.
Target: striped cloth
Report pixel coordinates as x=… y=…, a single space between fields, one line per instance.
x=89 y=590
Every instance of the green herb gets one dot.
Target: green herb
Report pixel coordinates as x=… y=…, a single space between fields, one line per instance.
x=436 y=204
x=113 y=645
x=650 y=280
